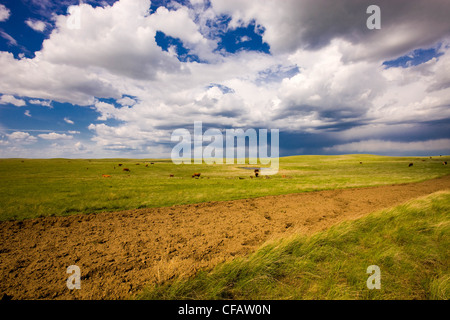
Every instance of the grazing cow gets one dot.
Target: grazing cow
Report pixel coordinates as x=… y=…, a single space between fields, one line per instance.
x=444 y=163
x=120 y=164
x=411 y=164
x=146 y=165
x=126 y=169
x=106 y=176
x=360 y=162
x=241 y=178
x=171 y=176
x=196 y=175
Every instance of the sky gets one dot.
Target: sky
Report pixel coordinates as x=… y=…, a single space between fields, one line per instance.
x=115 y=78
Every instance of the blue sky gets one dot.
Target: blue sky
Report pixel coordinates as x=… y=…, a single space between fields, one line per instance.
x=129 y=72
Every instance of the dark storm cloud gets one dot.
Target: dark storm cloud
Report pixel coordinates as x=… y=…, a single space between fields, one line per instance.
x=340 y=116
x=300 y=110
x=305 y=143
x=436 y=129
x=322 y=142
x=341 y=126
x=405 y=25
x=228 y=114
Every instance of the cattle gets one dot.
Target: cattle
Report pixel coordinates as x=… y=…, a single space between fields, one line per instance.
x=146 y=165
x=256 y=173
x=119 y=164
x=171 y=176
x=444 y=163
x=360 y=162
x=196 y=175
x=152 y=163
x=411 y=164
x=251 y=177
x=126 y=169
x=106 y=176
x=241 y=178
x=283 y=176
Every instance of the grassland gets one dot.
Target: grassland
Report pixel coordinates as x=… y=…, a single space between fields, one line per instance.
x=410 y=243
x=32 y=188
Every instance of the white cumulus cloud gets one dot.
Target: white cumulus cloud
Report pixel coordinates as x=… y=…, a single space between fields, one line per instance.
x=9 y=99
x=41 y=102
x=55 y=136
x=36 y=25
x=67 y=120
x=4 y=13
x=21 y=137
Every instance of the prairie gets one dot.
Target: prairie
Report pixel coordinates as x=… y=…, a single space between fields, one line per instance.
x=31 y=188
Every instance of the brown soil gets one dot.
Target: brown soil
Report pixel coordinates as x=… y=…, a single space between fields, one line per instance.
x=120 y=252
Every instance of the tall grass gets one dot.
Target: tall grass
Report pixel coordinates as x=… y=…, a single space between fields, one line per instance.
x=410 y=243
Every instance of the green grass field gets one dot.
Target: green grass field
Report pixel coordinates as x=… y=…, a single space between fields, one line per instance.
x=32 y=188
x=410 y=244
